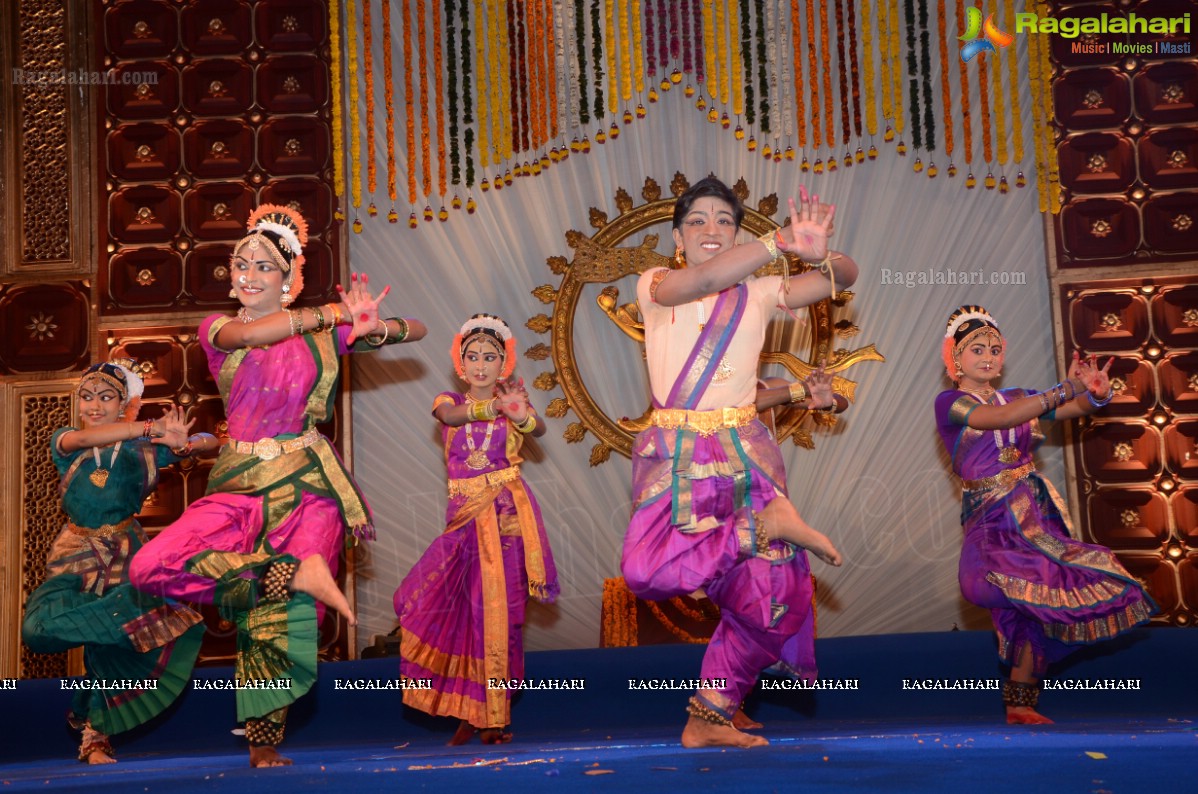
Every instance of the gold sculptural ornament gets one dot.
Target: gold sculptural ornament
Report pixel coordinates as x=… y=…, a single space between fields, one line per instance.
x=599 y=259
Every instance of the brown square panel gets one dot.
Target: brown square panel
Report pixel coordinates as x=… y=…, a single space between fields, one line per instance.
x=318 y=273
x=216 y=27
x=166 y=503
x=218 y=87
x=200 y=380
x=1187 y=574
x=293 y=146
x=145 y=277
x=1090 y=99
x=141 y=29
x=144 y=90
x=1171 y=223
x=1128 y=518
x=195 y=484
x=1185 y=516
x=1071 y=52
x=311 y=197
x=218 y=149
x=1169 y=158
x=45 y=327
x=207 y=268
x=1175 y=315
x=1119 y=452
x=1167 y=93
x=1133 y=386
x=1100 y=228
x=218 y=210
x=291 y=25
x=208 y=412
x=1181 y=448
x=293 y=84
x=159 y=361
x=1178 y=373
x=144 y=214
x=143 y=152
x=1097 y=162
x=1158 y=575
x=1109 y=320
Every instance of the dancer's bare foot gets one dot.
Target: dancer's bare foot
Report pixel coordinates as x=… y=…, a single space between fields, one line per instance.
x=1026 y=715
x=262 y=757
x=314 y=578
x=700 y=733
x=743 y=722
x=463 y=734
x=98 y=756
x=494 y=736
x=782 y=521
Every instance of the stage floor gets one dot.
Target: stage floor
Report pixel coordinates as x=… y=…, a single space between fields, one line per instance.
x=978 y=756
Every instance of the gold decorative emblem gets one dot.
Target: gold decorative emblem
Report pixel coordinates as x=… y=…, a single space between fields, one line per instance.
x=145 y=277
x=1093 y=99
x=295 y=205
x=219 y=150
x=143 y=91
x=145 y=216
x=1123 y=452
x=291 y=84
x=1096 y=163
x=41 y=326
x=1130 y=518
x=141 y=29
x=1100 y=228
x=216 y=27
x=1118 y=385
x=99 y=477
x=600 y=262
x=1177 y=159
x=290 y=24
x=220 y=272
x=1009 y=454
x=1182 y=222
x=217 y=89
x=220 y=211
x=144 y=153
x=293 y=147
x=1190 y=317
x=1111 y=322
x=1173 y=94
x=1192 y=381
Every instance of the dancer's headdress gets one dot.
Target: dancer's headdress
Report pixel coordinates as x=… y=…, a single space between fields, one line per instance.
x=495 y=330
x=966 y=324
x=283 y=232
x=118 y=374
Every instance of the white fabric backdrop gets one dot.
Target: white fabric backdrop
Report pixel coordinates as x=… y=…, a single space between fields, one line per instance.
x=879 y=485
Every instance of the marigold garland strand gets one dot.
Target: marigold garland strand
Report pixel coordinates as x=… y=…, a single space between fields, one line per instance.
x=651 y=39
x=625 y=54
x=984 y=109
x=722 y=60
x=389 y=101
x=638 y=54
x=736 y=69
x=887 y=60
x=613 y=75
x=826 y=60
x=580 y=19
x=1050 y=147
x=925 y=64
x=553 y=45
x=513 y=109
x=813 y=77
x=439 y=96
x=355 y=142
x=467 y=93
x=896 y=76
x=409 y=101
x=506 y=106
x=842 y=73
x=966 y=124
x=709 y=50
x=782 y=113
x=867 y=49
x=763 y=92
x=483 y=18
x=996 y=94
x=368 y=66
x=946 y=100
x=746 y=48
x=1013 y=85
x=854 y=68
x=426 y=164
x=335 y=72
x=913 y=75
x=1039 y=107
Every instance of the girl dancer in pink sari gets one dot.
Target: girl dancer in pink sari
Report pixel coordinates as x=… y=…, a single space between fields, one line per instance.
x=461 y=607
x=710 y=509
x=263 y=544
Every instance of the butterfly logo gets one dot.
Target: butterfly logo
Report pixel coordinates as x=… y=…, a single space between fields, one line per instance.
x=980 y=36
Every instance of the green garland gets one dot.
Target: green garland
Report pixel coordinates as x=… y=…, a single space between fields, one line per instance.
x=597 y=57
x=580 y=39
x=913 y=72
x=746 y=48
x=929 y=117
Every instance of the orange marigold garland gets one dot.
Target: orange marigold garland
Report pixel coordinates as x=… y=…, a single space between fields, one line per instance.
x=355 y=142
x=966 y=125
x=800 y=109
x=946 y=100
x=389 y=100
x=1052 y=165
x=368 y=63
x=409 y=102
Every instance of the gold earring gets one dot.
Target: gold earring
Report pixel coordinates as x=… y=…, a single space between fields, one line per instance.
x=233 y=292
x=680 y=257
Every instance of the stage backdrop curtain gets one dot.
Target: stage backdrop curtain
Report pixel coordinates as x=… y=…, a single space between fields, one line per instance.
x=879 y=485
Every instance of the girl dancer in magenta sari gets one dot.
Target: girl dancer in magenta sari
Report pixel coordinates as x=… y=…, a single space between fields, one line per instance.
x=461 y=608
x=108 y=468
x=263 y=544
x=1047 y=593
x=710 y=509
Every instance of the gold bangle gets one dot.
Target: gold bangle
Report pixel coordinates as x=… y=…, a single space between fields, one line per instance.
x=528 y=425
x=482 y=411
x=770 y=242
x=296 y=320
x=403 y=329
x=320 y=322
x=371 y=337
x=798 y=391
x=336 y=309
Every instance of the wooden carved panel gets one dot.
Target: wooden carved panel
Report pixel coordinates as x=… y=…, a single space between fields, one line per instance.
x=44 y=327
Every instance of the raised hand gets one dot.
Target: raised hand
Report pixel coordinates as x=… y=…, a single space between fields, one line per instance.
x=809 y=229
x=1097 y=381
x=512 y=400
x=819 y=386
x=173 y=427
x=361 y=306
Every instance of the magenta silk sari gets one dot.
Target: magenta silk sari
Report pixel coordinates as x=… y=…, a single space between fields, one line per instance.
x=461 y=607
x=693 y=527
x=1043 y=588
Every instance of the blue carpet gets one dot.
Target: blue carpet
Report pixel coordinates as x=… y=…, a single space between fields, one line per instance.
x=885 y=735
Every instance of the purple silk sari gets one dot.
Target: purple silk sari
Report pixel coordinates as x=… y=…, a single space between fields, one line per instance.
x=693 y=527
x=1043 y=588
x=461 y=607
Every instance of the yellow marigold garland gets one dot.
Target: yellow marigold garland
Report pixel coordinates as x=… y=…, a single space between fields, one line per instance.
x=355 y=142
x=613 y=76
x=738 y=65
x=625 y=54
x=800 y=108
x=1013 y=87
x=638 y=54
x=1050 y=147
x=484 y=79
x=709 y=53
x=813 y=77
x=721 y=31
x=368 y=64
x=887 y=59
x=335 y=74
x=426 y=164
x=895 y=71
x=1039 y=107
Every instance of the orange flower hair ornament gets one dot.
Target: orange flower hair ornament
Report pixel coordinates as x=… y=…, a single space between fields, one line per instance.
x=966 y=324
x=283 y=232
x=496 y=331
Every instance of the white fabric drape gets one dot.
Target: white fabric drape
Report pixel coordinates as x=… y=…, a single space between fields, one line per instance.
x=879 y=485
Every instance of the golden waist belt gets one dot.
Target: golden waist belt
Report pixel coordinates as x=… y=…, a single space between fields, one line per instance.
x=472 y=486
x=1004 y=478
x=271 y=448
x=103 y=531
x=705 y=423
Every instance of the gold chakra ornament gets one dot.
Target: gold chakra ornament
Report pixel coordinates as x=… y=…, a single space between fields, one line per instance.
x=589 y=284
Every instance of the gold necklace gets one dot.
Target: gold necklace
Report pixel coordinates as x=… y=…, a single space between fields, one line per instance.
x=99 y=477
x=477 y=459
x=723 y=370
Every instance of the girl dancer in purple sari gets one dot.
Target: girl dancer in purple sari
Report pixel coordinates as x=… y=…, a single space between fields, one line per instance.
x=263 y=544
x=1047 y=593
x=710 y=509
x=461 y=607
